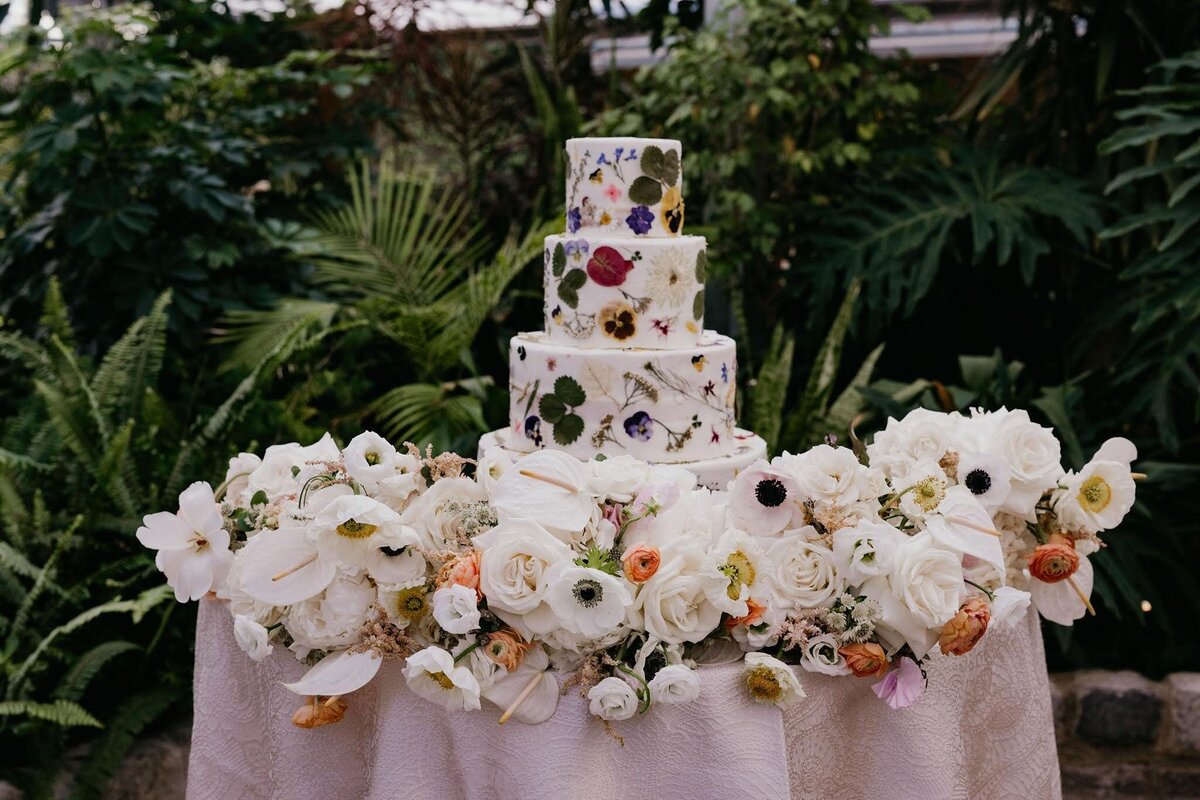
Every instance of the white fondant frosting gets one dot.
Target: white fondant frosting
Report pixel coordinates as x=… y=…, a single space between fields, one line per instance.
x=625 y=185
x=712 y=473
x=662 y=406
x=604 y=290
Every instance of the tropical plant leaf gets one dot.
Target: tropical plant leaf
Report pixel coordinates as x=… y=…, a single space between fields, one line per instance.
x=63 y=713
x=88 y=666
x=132 y=364
x=766 y=411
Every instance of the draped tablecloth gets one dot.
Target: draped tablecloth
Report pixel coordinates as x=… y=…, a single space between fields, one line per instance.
x=983 y=730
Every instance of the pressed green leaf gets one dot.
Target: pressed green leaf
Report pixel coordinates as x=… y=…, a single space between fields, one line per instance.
x=645 y=191
x=552 y=408
x=568 y=429
x=654 y=162
x=569 y=391
x=670 y=168
x=558 y=260
x=698 y=305
x=702 y=266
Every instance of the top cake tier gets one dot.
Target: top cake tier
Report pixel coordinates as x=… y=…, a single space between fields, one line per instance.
x=625 y=185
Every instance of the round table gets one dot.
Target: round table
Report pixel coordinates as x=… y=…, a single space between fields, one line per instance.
x=984 y=729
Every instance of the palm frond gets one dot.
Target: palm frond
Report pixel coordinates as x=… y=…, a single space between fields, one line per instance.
x=442 y=415
x=257 y=331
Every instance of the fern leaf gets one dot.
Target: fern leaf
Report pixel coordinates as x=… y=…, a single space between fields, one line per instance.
x=106 y=755
x=430 y=414
x=63 y=713
x=132 y=364
x=55 y=320
x=88 y=666
x=19 y=462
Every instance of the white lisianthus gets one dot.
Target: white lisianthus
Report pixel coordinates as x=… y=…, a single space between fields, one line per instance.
x=433 y=674
x=770 y=681
x=1096 y=499
x=866 y=550
x=763 y=499
x=193 y=545
x=350 y=528
x=613 y=699
x=516 y=557
x=675 y=683
x=434 y=514
x=920 y=594
x=1031 y=452
x=491 y=467
x=825 y=474
x=253 y=638
x=674 y=605
x=333 y=618
x=735 y=568
x=922 y=435
x=802 y=570
x=617 y=478
x=586 y=601
x=821 y=655
x=1009 y=606
x=237 y=479
x=370 y=458
x=456 y=609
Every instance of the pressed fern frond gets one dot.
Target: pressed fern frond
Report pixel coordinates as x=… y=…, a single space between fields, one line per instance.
x=63 y=713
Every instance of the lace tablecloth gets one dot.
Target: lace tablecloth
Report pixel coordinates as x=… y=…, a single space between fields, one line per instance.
x=983 y=730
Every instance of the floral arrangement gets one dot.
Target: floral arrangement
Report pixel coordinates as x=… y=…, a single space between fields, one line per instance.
x=517 y=581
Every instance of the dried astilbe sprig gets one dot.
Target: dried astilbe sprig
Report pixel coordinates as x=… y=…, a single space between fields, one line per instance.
x=443 y=465
x=949 y=465
x=589 y=673
x=382 y=637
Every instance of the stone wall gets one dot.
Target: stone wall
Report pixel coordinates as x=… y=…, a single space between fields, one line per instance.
x=1120 y=737
x=1124 y=737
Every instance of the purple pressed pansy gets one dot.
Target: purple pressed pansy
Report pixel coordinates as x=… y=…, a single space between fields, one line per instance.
x=574 y=220
x=533 y=429
x=640 y=220
x=640 y=426
x=576 y=247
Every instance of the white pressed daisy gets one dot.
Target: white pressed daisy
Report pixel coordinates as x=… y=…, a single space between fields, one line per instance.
x=433 y=674
x=193 y=545
x=586 y=601
x=671 y=280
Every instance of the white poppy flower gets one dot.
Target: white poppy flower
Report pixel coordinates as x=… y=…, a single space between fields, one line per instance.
x=675 y=684
x=1009 y=606
x=396 y=560
x=252 y=637
x=613 y=699
x=370 y=458
x=348 y=529
x=986 y=477
x=456 y=609
x=558 y=499
x=770 y=681
x=193 y=545
x=586 y=601
x=821 y=655
x=735 y=568
x=1096 y=499
x=802 y=570
x=763 y=499
x=433 y=674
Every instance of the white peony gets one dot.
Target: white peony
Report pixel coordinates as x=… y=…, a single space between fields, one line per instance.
x=516 y=557
x=771 y=681
x=613 y=699
x=193 y=545
x=802 y=570
x=674 y=605
x=435 y=514
x=586 y=601
x=674 y=684
x=333 y=618
x=370 y=458
x=456 y=609
x=253 y=638
x=433 y=674
x=821 y=655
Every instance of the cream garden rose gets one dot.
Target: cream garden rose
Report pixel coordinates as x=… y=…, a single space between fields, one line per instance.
x=802 y=570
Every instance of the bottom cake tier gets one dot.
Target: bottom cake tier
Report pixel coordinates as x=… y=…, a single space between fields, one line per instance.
x=712 y=473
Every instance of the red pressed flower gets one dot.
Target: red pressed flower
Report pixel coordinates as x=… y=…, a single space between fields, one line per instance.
x=608 y=267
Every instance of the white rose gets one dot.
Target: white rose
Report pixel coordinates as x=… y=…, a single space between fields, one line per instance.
x=695 y=519
x=1032 y=453
x=370 y=458
x=516 y=557
x=674 y=604
x=274 y=476
x=617 y=478
x=456 y=609
x=613 y=699
x=921 y=593
x=802 y=570
x=827 y=474
x=821 y=655
x=771 y=681
x=435 y=515
x=865 y=550
x=253 y=638
x=333 y=618
x=1009 y=606
x=675 y=684
x=922 y=435
x=237 y=479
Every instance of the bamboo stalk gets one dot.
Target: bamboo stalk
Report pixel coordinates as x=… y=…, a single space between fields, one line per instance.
x=966 y=523
x=1079 y=592
x=559 y=482
x=528 y=690
x=295 y=568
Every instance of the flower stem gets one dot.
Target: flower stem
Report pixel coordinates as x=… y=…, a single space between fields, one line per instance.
x=644 y=706
x=466 y=652
x=990 y=594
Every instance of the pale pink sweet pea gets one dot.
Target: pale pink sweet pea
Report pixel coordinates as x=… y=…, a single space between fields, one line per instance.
x=903 y=686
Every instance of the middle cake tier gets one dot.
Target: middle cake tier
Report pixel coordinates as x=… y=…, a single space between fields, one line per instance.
x=662 y=406
x=605 y=290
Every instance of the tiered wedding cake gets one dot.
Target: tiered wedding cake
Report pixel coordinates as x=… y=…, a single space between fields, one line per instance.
x=624 y=364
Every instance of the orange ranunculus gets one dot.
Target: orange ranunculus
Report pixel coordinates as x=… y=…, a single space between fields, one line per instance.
x=1054 y=561
x=315 y=713
x=966 y=628
x=463 y=571
x=641 y=562
x=506 y=648
x=752 y=617
x=865 y=660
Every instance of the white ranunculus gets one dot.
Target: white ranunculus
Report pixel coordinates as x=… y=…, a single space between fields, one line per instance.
x=771 y=681
x=1009 y=606
x=433 y=674
x=922 y=592
x=586 y=601
x=675 y=683
x=987 y=477
x=193 y=545
x=825 y=474
x=613 y=699
x=252 y=637
x=764 y=499
x=516 y=557
x=866 y=550
x=617 y=478
x=434 y=514
x=370 y=458
x=1031 y=451
x=922 y=435
x=1096 y=499
x=333 y=618
x=674 y=605
x=735 y=568
x=350 y=528
x=456 y=609
x=821 y=655
x=802 y=570
x=237 y=479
